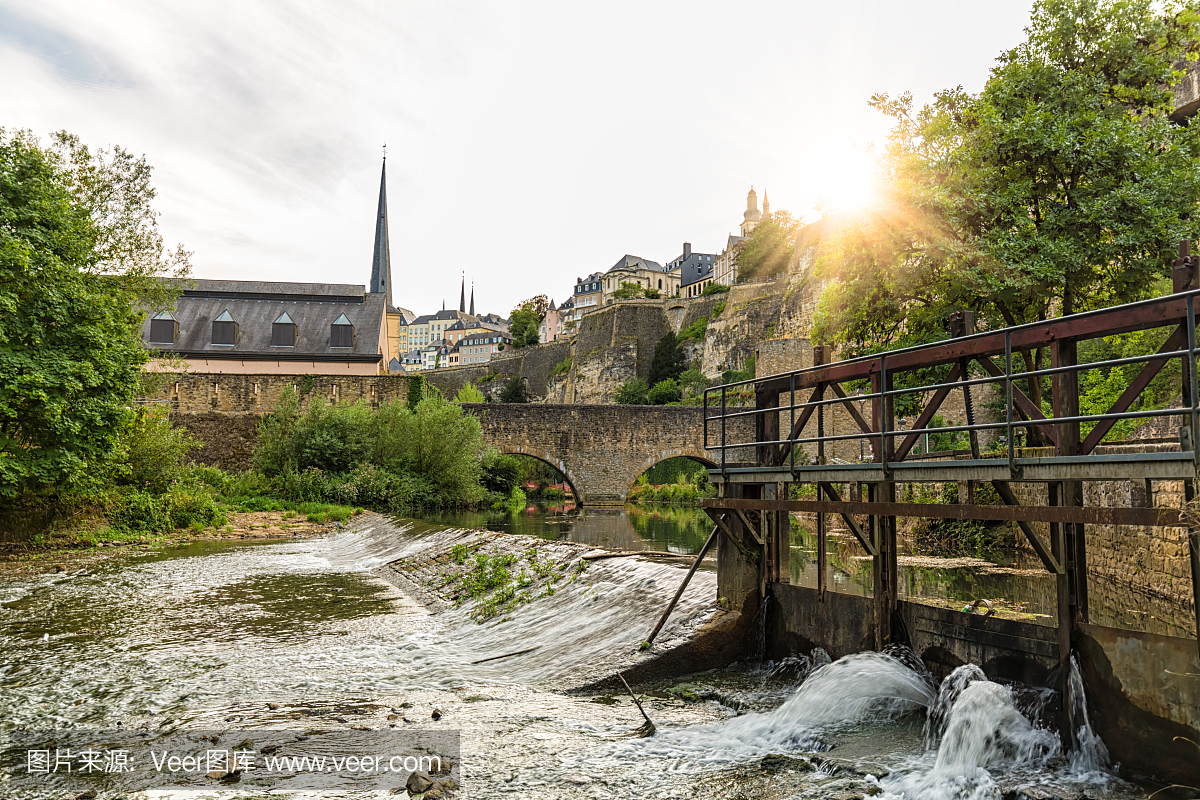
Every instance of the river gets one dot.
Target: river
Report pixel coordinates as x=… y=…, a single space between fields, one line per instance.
x=304 y=636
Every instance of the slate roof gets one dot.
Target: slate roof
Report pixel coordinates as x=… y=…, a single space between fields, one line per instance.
x=694 y=270
x=636 y=262
x=256 y=305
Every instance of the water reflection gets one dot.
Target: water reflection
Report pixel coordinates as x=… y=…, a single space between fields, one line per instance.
x=668 y=528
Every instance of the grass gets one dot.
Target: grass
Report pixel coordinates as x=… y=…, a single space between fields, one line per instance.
x=313 y=512
x=502 y=582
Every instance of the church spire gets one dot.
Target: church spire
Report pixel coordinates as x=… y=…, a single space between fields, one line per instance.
x=462 y=295
x=472 y=298
x=766 y=205
x=381 y=263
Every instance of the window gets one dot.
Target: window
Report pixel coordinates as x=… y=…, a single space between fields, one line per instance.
x=283 y=332
x=163 y=328
x=341 y=333
x=224 y=329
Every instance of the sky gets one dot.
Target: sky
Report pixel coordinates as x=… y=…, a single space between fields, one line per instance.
x=529 y=143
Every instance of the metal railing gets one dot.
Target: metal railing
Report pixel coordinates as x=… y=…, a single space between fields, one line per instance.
x=881 y=432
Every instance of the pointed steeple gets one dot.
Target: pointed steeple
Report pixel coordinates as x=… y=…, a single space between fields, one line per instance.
x=766 y=205
x=472 y=298
x=381 y=263
x=462 y=295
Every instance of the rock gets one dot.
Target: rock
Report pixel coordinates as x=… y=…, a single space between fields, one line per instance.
x=273 y=706
x=271 y=748
x=90 y=794
x=340 y=719
x=59 y=568
x=393 y=717
x=418 y=783
x=436 y=715
x=778 y=763
x=441 y=789
x=684 y=691
x=478 y=698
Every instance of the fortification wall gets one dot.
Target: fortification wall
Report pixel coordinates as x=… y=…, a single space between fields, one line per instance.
x=258 y=394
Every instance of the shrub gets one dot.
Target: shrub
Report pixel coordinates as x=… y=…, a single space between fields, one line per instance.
x=438 y=441
x=193 y=508
x=499 y=472
x=273 y=453
x=694 y=332
x=562 y=367
x=692 y=382
x=154 y=451
x=514 y=391
x=139 y=512
x=632 y=392
x=333 y=438
x=469 y=393
x=664 y=392
x=668 y=360
x=714 y=288
x=717 y=309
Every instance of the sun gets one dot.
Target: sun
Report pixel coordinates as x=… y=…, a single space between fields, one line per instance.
x=843 y=178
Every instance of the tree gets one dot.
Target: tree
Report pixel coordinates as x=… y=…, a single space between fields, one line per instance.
x=538 y=304
x=768 y=250
x=72 y=282
x=663 y=392
x=632 y=392
x=693 y=382
x=514 y=391
x=1062 y=186
x=629 y=291
x=668 y=361
x=523 y=326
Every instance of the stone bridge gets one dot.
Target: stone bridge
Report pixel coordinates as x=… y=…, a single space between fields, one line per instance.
x=601 y=449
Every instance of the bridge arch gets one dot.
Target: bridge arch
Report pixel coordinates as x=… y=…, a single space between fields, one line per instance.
x=694 y=453
x=546 y=458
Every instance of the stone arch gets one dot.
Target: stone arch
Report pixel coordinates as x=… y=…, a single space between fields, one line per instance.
x=676 y=312
x=552 y=460
x=694 y=453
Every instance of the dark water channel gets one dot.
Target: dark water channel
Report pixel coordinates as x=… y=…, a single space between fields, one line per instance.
x=303 y=636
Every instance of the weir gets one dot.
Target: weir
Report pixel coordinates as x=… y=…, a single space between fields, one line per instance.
x=1144 y=688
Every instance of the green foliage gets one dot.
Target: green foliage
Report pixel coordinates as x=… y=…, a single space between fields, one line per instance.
x=70 y=343
x=469 y=393
x=768 y=250
x=523 y=325
x=664 y=392
x=717 y=307
x=417 y=389
x=714 y=288
x=439 y=442
x=562 y=367
x=145 y=513
x=1100 y=388
x=514 y=391
x=332 y=437
x=668 y=361
x=630 y=291
x=499 y=472
x=652 y=294
x=632 y=392
x=747 y=372
x=694 y=332
x=273 y=452
x=693 y=383
x=1063 y=186
x=154 y=451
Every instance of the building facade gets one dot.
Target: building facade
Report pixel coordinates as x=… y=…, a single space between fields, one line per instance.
x=262 y=327
x=695 y=270
x=550 y=327
x=725 y=268
x=642 y=271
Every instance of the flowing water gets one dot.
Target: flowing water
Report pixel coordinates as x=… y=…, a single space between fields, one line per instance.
x=297 y=634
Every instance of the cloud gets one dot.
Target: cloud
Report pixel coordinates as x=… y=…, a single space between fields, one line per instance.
x=529 y=142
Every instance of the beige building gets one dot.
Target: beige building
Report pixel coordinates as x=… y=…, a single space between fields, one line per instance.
x=647 y=273
x=726 y=265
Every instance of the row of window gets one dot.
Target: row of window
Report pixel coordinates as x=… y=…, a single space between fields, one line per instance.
x=164 y=329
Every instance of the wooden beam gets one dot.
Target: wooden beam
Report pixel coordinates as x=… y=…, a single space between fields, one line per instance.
x=1052 y=563
x=851 y=523
x=715 y=515
x=931 y=408
x=1021 y=399
x=1174 y=342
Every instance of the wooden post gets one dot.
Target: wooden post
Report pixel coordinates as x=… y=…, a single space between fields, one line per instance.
x=821 y=356
x=883 y=528
x=766 y=428
x=1185 y=276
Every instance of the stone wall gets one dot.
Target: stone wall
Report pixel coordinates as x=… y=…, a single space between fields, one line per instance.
x=228 y=438
x=1151 y=559
x=258 y=394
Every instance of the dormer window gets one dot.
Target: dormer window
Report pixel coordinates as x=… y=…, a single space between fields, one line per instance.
x=341 y=333
x=224 y=329
x=283 y=332
x=163 y=328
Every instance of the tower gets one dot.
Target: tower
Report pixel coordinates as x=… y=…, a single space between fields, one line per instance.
x=766 y=206
x=752 y=216
x=381 y=263
x=472 y=298
x=462 y=295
